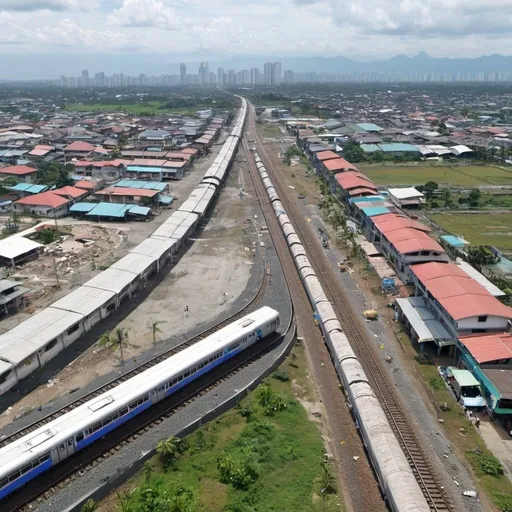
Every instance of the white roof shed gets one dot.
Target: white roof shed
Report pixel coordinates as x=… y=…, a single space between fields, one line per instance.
x=405 y=193
x=16 y=246
x=154 y=247
x=113 y=280
x=33 y=334
x=84 y=300
x=135 y=263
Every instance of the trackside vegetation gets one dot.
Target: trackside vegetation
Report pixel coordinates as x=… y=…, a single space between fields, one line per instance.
x=264 y=455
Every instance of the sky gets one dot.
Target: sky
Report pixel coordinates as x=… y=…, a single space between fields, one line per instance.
x=142 y=30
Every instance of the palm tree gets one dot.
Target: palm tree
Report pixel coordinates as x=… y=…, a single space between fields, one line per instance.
x=123 y=502
x=327 y=481
x=155 y=329
x=89 y=506
x=168 y=450
x=225 y=467
x=115 y=341
x=266 y=395
x=446 y=195
x=147 y=469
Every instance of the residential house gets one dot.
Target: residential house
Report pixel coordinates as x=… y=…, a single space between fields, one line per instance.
x=12 y=297
x=22 y=173
x=47 y=204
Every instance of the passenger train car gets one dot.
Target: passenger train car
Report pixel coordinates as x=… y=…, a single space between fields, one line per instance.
x=29 y=456
x=28 y=346
x=395 y=476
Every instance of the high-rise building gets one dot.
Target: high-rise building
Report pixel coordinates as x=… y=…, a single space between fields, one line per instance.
x=255 y=76
x=85 y=77
x=183 y=74
x=272 y=74
x=99 y=79
x=64 y=82
x=220 y=77
x=231 y=77
x=289 y=77
x=203 y=74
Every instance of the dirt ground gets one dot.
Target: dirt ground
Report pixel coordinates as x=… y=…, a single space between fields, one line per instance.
x=208 y=278
x=81 y=266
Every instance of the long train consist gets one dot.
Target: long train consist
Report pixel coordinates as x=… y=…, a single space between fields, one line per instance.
x=26 y=458
x=31 y=344
x=395 y=476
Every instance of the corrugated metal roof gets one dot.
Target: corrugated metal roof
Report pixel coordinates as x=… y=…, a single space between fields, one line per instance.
x=114 y=280
x=369 y=127
x=140 y=210
x=371 y=211
x=150 y=185
x=16 y=246
x=454 y=241
x=110 y=210
x=134 y=263
x=464 y=377
x=84 y=300
x=479 y=278
x=137 y=168
x=489 y=347
x=82 y=207
x=398 y=147
x=155 y=247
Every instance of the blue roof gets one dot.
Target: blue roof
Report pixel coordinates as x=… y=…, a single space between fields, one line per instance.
x=27 y=187
x=454 y=241
x=165 y=199
x=82 y=207
x=371 y=199
x=138 y=168
x=140 y=210
x=372 y=211
x=369 y=127
x=369 y=148
x=110 y=210
x=392 y=147
x=151 y=185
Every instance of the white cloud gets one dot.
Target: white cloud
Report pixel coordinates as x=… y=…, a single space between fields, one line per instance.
x=145 y=13
x=50 y=5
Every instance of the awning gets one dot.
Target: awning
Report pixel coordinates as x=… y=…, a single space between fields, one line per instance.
x=424 y=323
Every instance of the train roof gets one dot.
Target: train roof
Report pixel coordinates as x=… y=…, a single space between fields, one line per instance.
x=35 y=444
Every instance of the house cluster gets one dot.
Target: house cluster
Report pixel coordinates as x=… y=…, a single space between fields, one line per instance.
x=411 y=124
x=447 y=303
x=120 y=161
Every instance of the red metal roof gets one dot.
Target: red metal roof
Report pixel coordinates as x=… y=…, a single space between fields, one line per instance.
x=44 y=199
x=175 y=164
x=359 y=191
x=147 y=162
x=86 y=184
x=460 y=295
x=415 y=243
x=348 y=180
x=18 y=170
x=339 y=164
x=192 y=151
x=392 y=222
x=326 y=155
x=490 y=347
x=80 y=146
x=73 y=192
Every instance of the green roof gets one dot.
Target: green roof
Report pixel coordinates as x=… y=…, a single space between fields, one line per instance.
x=370 y=148
x=464 y=377
x=369 y=127
x=398 y=147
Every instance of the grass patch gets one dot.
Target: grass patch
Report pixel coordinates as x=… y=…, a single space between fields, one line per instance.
x=464 y=176
x=141 y=108
x=247 y=462
x=271 y=130
x=478 y=228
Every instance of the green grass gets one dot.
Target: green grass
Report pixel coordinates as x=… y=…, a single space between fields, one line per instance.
x=464 y=176
x=140 y=108
x=478 y=228
x=287 y=449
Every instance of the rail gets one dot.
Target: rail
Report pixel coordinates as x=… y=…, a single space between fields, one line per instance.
x=253 y=303
x=432 y=490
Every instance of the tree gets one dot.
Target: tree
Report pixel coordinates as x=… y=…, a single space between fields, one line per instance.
x=446 y=196
x=327 y=482
x=474 y=197
x=266 y=395
x=480 y=256
x=155 y=329
x=377 y=157
x=169 y=449
x=55 y=174
x=89 y=506
x=353 y=152
x=115 y=341
x=147 y=470
x=429 y=188
x=225 y=467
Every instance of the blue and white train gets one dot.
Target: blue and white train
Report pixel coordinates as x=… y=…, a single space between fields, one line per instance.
x=26 y=458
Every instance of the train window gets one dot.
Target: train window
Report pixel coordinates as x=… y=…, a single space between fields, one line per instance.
x=111 y=307
x=186 y=374
x=161 y=388
x=25 y=469
x=70 y=442
x=62 y=447
x=123 y=411
x=132 y=405
x=44 y=458
x=79 y=437
x=14 y=475
x=3 y=483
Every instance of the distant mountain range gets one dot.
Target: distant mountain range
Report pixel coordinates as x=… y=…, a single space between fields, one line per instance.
x=51 y=66
x=421 y=63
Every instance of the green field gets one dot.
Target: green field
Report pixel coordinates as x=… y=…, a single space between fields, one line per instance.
x=141 y=108
x=479 y=228
x=284 y=448
x=463 y=176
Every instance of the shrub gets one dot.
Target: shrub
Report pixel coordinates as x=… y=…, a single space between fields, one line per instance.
x=503 y=501
x=436 y=383
x=490 y=465
x=281 y=375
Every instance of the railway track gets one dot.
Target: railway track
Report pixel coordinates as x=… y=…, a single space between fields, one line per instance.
x=254 y=302
x=431 y=488
x=29 y=498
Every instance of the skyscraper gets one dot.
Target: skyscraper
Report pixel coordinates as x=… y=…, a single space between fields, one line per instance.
x=203 y=74
x=183 y=73
x=272 y=74
x=220 y=77
x=289 y=77
x=255 y=76
x=85 y=77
